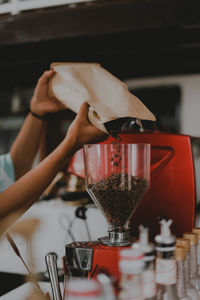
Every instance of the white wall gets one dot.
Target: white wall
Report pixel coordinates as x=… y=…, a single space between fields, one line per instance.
x=190 y=100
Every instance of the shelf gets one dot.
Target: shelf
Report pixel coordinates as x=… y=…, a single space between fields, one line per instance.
x=96 y=17
x=130 y=38
x=26 y=5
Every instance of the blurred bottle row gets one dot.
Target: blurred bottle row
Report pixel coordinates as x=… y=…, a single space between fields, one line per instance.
x=168 y=269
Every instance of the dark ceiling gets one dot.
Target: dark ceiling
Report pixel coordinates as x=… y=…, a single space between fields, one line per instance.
x=129 y=38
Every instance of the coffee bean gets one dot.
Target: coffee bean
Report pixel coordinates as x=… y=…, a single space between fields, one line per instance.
x=118 y=195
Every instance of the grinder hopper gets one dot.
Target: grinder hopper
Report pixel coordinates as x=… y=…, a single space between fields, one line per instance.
x=117 y=176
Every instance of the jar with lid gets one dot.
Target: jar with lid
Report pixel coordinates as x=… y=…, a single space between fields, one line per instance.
x=131 y=265
x=195 y=279
x=180 y=254
x=191 y=290
x=197 y=230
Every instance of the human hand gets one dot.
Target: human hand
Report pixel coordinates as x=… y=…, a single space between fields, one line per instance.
x=41 y=103
x=82 y=132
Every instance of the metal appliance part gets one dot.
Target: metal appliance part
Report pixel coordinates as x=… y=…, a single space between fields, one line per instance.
x=51 y=263
x=79 y=258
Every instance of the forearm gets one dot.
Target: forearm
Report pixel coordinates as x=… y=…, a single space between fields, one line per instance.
x=32 y=184
x=26 y=145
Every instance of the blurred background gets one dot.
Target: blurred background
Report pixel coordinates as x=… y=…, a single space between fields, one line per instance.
x=152 y=45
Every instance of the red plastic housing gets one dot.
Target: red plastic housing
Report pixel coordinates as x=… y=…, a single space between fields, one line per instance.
x=106 y=258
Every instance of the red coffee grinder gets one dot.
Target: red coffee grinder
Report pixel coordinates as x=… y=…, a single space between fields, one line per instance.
x=117 y=177
x=171 y=194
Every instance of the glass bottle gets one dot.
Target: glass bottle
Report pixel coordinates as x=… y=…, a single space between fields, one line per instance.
x=191 y=290
x=195 y=279
x=83 y=289
x=197 y=230
x=165 y=263
x=107 y=285
x=148 y=275
x=180 y=254
x=131 y=265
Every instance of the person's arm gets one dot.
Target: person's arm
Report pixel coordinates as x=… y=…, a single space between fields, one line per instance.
x=29 y=187
x=33 y=183
x=25 y=147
